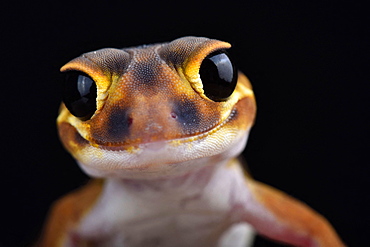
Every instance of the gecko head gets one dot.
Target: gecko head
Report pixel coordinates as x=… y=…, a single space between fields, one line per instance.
x=155 y=110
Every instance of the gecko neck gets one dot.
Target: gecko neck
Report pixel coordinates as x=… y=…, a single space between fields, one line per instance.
x=194 y=181
x=199 y=183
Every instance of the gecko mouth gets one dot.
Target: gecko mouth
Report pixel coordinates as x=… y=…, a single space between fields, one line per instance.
x=158 y=144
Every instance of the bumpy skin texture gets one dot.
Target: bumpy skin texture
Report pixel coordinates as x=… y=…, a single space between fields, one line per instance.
x=157 y=138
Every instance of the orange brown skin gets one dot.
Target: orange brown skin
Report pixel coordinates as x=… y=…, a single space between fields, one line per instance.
x=153 y=95
x=67 y=212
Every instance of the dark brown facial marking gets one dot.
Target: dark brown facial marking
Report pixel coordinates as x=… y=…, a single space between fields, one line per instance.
x=116 y=129
x=187 y=115
x=146 y=74
x=118 y=125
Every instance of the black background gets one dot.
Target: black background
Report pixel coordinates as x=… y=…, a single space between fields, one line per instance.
x=306 y=60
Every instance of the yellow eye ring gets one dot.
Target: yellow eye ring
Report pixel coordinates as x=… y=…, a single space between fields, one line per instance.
x=192 y=66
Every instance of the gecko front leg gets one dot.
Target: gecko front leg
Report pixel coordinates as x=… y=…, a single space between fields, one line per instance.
x=280 y=217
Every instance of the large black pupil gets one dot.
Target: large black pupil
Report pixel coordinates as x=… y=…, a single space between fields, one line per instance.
x=80 y=95
x=218 y=76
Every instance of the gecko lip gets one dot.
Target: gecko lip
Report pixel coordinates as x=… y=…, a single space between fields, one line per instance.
x=158 y=145
x=153 y=146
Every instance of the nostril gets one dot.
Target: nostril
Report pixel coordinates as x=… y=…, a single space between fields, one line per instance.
x=173 y=115
x=129 y=121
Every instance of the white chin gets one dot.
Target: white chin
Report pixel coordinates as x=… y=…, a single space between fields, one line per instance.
x=162 y=159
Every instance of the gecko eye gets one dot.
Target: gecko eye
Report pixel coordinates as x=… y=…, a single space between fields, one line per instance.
x=79 y=94
x=218 y=75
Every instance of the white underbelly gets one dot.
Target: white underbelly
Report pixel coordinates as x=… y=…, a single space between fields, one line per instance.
x=180 y=231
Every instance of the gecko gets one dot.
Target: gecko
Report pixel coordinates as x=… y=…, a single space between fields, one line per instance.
x=159 y=128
